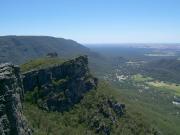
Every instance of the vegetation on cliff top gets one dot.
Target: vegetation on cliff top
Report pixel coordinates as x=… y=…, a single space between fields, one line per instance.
x=40 y=63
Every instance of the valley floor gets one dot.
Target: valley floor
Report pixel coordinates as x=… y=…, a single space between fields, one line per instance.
x=157 y=102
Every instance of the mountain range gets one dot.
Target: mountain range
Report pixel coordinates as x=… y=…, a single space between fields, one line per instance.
x=18 y=49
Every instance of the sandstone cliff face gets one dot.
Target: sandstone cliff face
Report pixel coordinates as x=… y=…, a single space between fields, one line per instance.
x=59 y=87
x=12 y=121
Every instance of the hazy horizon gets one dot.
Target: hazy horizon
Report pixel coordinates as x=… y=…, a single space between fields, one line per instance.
x=94 y=22
x=106 y=43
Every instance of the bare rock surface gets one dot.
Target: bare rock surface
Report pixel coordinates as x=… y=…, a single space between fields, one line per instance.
x=12 y=121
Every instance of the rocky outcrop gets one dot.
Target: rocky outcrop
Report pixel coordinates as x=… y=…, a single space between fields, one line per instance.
x=56 y=88
x=12 y=121
x=118 y=108
x=100 y=111
x=59 y=87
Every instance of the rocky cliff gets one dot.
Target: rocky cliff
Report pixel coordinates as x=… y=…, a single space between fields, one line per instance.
x=59 y=87
x=12 y=121
x=55 y=88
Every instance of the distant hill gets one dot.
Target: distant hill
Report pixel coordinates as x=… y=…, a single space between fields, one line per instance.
x=164 y=69
x=18 y=49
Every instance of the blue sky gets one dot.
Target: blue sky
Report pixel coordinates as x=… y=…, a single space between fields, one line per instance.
x=94 y=21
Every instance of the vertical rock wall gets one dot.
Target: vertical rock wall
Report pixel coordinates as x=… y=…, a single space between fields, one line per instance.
x=12 y=121
x=72 y=80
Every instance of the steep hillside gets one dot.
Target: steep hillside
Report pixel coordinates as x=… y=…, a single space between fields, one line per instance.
x=94 y=115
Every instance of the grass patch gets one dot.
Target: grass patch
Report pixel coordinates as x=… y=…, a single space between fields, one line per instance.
x=40 y=63
x=160 y=85
x=175 y=88
x=141 y=78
